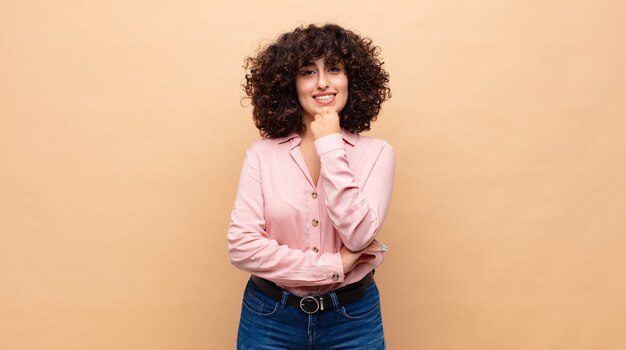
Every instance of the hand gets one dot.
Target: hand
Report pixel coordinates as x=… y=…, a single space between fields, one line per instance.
x=351 y=259
x=325 y=123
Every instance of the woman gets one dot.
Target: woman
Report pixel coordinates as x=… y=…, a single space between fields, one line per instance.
x=313 y=194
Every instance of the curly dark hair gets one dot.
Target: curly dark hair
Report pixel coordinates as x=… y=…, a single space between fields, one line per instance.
x=270 y=78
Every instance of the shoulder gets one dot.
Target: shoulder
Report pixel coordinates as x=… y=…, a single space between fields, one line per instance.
x=371 y=144
x=261 y=144
x=267 y=145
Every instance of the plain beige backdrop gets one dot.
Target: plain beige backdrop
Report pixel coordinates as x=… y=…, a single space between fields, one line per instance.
x=122 y=137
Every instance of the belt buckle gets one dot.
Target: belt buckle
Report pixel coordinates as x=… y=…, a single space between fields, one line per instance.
x=306 y=305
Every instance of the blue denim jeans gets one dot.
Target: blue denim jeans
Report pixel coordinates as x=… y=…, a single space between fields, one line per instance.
x=269 y=324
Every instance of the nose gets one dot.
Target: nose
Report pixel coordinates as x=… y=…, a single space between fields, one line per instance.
x=322 y=82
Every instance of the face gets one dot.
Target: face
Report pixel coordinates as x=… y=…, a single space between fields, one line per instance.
x=320 y=86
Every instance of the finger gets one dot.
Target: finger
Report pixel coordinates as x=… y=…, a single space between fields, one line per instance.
x=383 y=247
x=378 y=247
x=329 y=111
x=370 y=248
x=375 y=244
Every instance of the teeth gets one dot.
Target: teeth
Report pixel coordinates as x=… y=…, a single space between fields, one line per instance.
x=324 y=97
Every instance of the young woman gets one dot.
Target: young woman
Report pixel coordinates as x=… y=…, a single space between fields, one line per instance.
x=313 y=194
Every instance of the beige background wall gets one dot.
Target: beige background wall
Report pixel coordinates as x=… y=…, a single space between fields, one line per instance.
x=122 y=135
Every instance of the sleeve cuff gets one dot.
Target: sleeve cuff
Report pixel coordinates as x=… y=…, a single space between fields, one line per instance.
x=329 y=143
x=335 y=272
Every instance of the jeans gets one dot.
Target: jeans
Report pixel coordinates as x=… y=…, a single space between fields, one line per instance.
x=269 y=324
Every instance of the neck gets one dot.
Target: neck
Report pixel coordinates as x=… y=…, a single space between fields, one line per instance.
x=307 y=135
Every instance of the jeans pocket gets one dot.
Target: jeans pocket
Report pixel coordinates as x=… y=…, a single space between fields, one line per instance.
x=257 y=303
x=364 y=307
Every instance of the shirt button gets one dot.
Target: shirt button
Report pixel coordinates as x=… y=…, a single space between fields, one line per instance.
x=316 y=249
x=335 y=277
x=314 y=195
x=314 y=222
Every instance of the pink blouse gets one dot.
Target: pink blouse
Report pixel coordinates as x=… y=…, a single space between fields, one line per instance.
x=288 y=231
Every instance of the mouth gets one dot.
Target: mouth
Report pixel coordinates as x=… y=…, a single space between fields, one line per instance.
x=324 y=99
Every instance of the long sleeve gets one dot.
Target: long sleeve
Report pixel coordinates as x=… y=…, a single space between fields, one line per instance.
x=251 y=248
x=357 y=212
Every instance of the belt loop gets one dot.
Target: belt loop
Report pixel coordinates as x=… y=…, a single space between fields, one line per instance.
x=333 y=296
x=283 y=300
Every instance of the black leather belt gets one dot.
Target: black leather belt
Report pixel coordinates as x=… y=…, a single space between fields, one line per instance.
x=312 y=304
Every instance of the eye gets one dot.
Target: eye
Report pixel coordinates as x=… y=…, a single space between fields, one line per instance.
x=336 y=69
x=306 y=72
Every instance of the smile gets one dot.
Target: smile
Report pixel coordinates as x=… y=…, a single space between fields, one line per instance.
x=324 y=99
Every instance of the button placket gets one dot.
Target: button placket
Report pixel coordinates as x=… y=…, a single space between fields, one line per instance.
x=314 y=239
